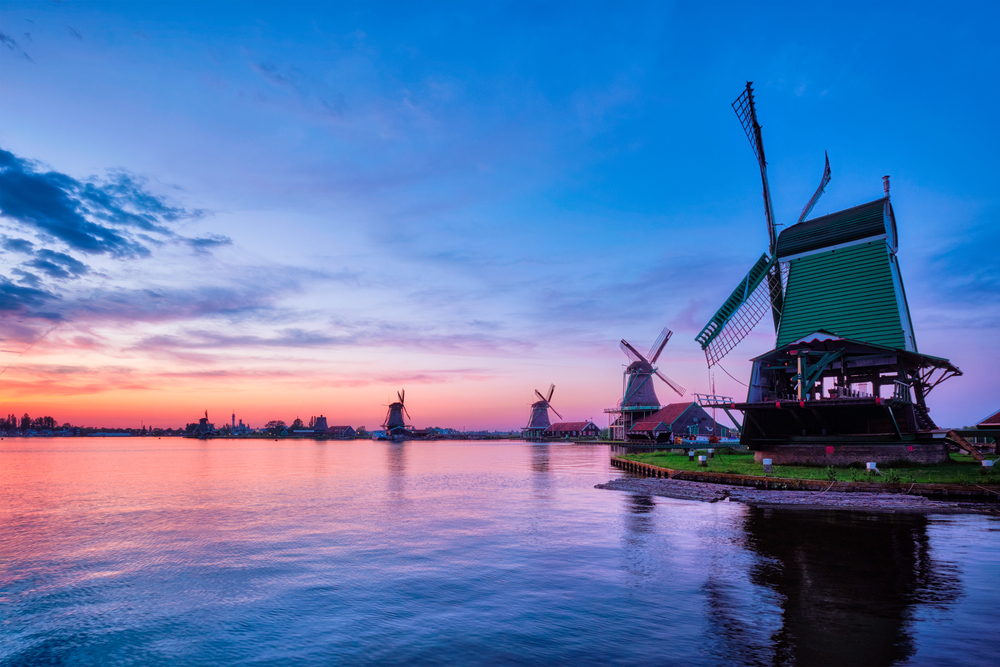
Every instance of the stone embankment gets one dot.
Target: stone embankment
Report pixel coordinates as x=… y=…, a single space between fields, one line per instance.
x=892 y=503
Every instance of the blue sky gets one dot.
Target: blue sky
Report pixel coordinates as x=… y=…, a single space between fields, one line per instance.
x=314 y=205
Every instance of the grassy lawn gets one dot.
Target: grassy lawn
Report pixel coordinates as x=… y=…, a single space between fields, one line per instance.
x=961 y=469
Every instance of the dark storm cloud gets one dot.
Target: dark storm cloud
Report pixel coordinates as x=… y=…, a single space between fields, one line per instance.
x=93 y=217
x=58 y=265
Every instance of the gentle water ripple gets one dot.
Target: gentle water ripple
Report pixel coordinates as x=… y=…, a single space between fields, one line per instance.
x=156 y=552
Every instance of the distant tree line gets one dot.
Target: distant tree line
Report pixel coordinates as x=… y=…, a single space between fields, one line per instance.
x=13 y=422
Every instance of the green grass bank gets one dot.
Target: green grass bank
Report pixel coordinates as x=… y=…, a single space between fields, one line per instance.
x=960 y=469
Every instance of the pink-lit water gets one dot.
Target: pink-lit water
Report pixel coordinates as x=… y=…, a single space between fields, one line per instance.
x=142 y=551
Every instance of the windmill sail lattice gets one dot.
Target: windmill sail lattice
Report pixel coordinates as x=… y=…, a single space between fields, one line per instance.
x=763 y=286
x=741 y=312
x=747 y=113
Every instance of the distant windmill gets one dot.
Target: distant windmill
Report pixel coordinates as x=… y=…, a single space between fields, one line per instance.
x=639 y=396
x=639 y=374
x=395 y=425
x=539 y=420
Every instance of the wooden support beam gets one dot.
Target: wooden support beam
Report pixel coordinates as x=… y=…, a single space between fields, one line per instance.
x=894 y=424
x=961 y=442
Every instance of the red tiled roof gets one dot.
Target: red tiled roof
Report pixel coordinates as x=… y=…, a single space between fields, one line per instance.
x=992 y=420
x=667 y=415
x=568 y=426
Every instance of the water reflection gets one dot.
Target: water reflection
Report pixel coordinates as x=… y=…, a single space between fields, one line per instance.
x=641 y=561
x=176 y=552
x=541 y=478
x=395 y=469
x=847 y=583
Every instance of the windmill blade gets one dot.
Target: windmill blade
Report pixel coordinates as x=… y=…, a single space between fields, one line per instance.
x=556 y=411
x=670 y=383
x=552 y=388
x=819 y=191
x=539 y=395
x=407 y=413
x=657 y=347
x=741 y=312
x=747 y=113
x=401 y=396
x=631 y=352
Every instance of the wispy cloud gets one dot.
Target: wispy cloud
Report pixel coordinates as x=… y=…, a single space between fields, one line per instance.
x=12 y=45
x=17 y=245
x=23 y=300
x=203 y=245
x=36 y=379
x=96 y=217
x=362 y=334
x=58 y=264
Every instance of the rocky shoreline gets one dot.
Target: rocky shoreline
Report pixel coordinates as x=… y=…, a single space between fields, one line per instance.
x=889 y=503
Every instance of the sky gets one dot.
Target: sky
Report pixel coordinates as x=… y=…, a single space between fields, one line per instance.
x=291 y=209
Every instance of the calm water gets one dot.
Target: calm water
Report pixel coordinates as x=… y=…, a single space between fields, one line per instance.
x=176 y=552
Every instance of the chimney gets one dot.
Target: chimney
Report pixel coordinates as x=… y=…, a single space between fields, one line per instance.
x=885 y=185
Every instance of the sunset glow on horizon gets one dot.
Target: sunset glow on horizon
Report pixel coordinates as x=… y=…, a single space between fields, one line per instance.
x=296 y=210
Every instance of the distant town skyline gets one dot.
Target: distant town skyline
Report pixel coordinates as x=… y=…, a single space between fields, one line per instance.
x=302 y=209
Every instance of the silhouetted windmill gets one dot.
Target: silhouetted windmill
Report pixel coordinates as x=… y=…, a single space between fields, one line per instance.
x=639 y=396
x=639 y=385
x=539 y=419
x=395 y=425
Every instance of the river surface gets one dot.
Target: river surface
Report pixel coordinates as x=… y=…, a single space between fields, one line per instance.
x=142 y=551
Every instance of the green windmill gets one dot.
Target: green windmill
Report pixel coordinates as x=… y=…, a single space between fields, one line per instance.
x=845 y=381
